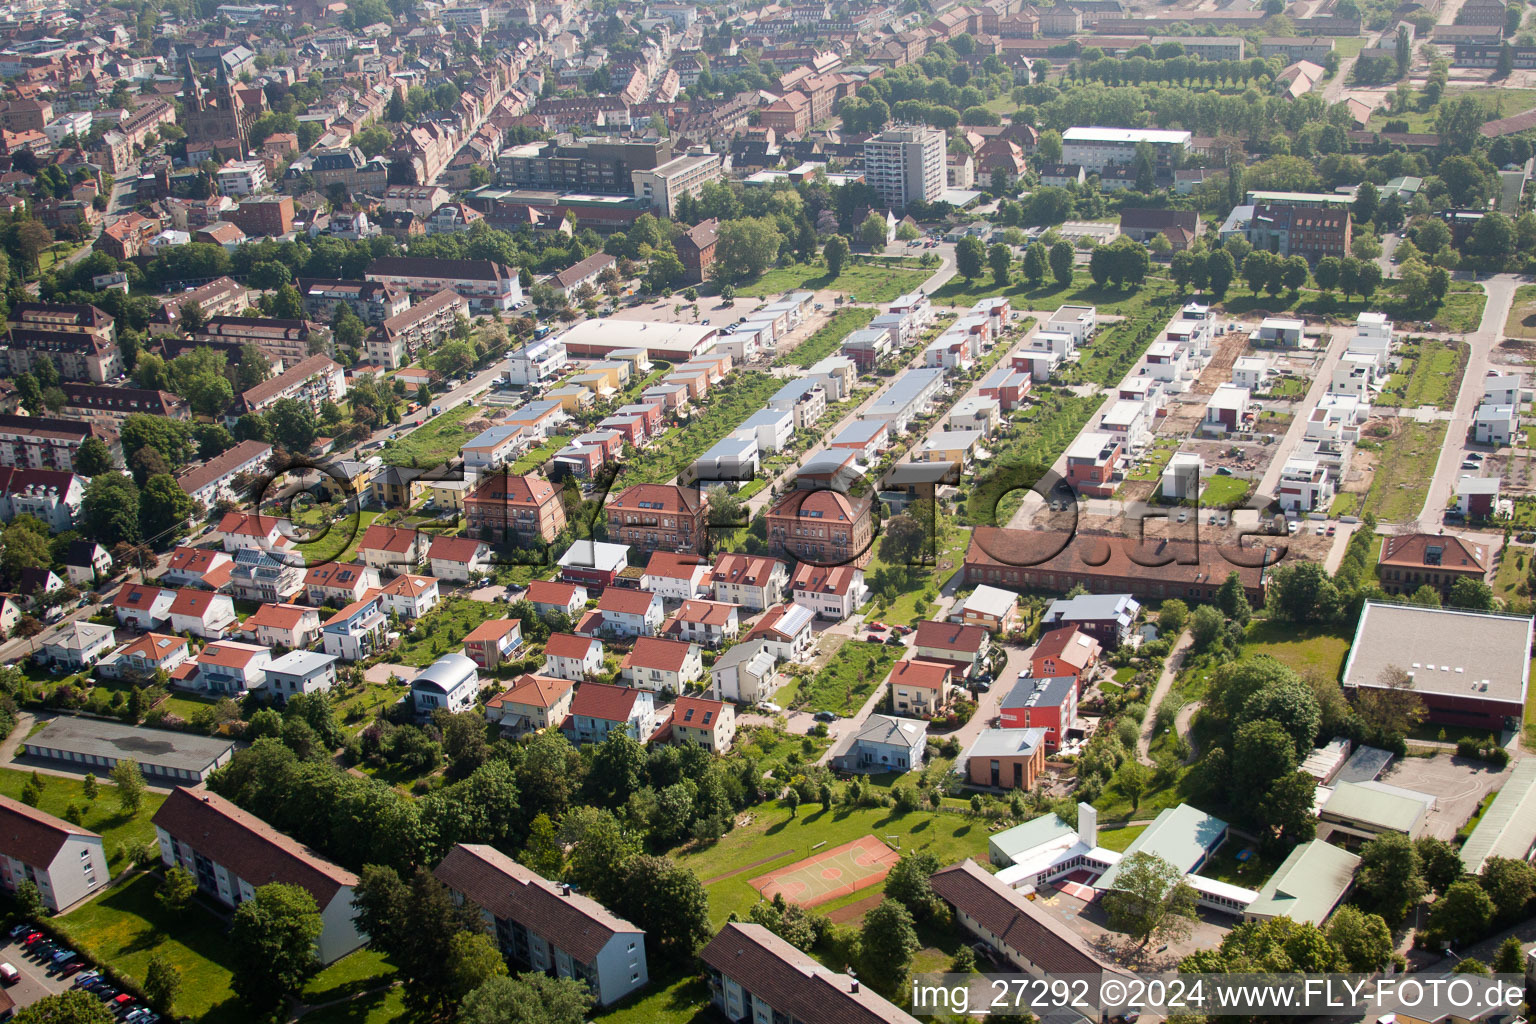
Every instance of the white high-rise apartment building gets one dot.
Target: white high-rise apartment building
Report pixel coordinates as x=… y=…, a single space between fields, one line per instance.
x=906 y=164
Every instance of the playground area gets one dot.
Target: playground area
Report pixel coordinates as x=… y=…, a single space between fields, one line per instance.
x=828 y=874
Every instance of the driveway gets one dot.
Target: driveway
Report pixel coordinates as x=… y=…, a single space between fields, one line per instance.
x=1322 y=377
x=36 y=983
x=1457 y=784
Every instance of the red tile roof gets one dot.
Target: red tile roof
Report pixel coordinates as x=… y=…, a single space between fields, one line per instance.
x=387 y=538
x=950 y=636
x=278 y=616
x=493 y=630
x=339 y=575
x=195 y=560
x=567 y=645
x=599 y=700
x=532 y=691
x=408 y=585
x=246 y=525
x=138 y=598
x=155 y=647
x=1062 y=645
x=664 y=655
x=657 y=498
x=248 y=846
x=696 y=712
x=823 y=579
x=930 y=675
x=748 y=570
x=674 y=566
x=193 y=602
x=455 y=549
x=32 y=836
x=229 y=654
x=545 y=592
x=708 y=613
x=626 y=602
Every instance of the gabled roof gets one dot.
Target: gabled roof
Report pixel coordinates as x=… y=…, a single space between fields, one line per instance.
x=950 y=636
x=455 y=549
x=747 y=570
x=532 y=690
x=783 y=622
x=697 y=712
x=657 y=498
x=626 y=602
x=1068 y=644
x=706 y=613
x=902 y=732
x=139 y=598
x=609 y=703
x=197 y=603
x=154 y=647
x=279 y=616
x=663 y=655
x=32 y=836
x=229 y=654
x=823 y=579
x=577 y=924
x=493 y=629
x=245 y=525
x=545 y=592
x=408 y=585
x=387 y=538
x=672 y=565
x=343 y=575
x=929 y=675
x=568 y=645
x=248 y=846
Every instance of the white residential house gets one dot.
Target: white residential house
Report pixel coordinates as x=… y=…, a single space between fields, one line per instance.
x=143 y=607
x=745 y=673
x=1127 y=422
x=624 y=613
x=1181 y=477
x=547 y=926
x=787 y=629
x=451 y=682
x=884 y=743
x=1250 y=372
x=291 y=626
x=566 y=598
x=662 y=665
x=66 y=862
x=1306 y=485
x=676 y=577
x=409 y=596
x=754 y=582
x=1078 y=321
x=78 y=645
x=1496 y=425
x=457 y=558
x=232 y=669
x=357 y=631
x=301 y=672
x=711 y=623
x=830 y=592
x=567 y=656
x=1501 y=389
x=203 y=614
x=1281 y=331
x=599 y=709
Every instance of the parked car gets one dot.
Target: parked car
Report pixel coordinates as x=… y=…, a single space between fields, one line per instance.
x=20 y=930
x=71 y=967
x=1332 y=529
x=875 y=627
x=1291 y=527
x=768 y=706
x=825 y=716
x=873 y=638
x=893 y=641
x=1475 y=457
x=9 y=974
x=86 y=977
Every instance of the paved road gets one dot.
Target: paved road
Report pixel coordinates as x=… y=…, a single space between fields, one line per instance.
x=1501 y=294
x=1270 y=482
x=1335 y=89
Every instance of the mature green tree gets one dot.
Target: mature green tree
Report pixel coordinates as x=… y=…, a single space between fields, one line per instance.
x=130 y=784
x=1063 y=260
x=835 y=253
x=747 y=246
x=888 y=941
x=1510 y=884
x=1326 y=273
x=1220 y=269
x=1036 y=263
x=1150 y=898
x=527 y=997
x=1440 y=862
x=24 y=544
x=1133 y=778
x=414 y=924
x=1286 y=810
x=273 y=939
x=93 y=458
x=292 y=424
x=1391 y=877
x=970 y=257
x=598 y=856
x=162 y=982
x=177 y=888
x=1292 y=705
x=73 y=1007
x=666 y=900
x=908 y=883
x=164 y=509
x=872 y=231
x=1473 y=594
x=474 y=959
x=1367 y=202
x=110 y=510
x=1363 y=939
x=1463 y=914
x=1510 y=958
x=1000 y=258
x=542 y=852
x=1262 y=752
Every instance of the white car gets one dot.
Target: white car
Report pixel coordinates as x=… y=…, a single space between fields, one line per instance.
x=1292 y=527
x=768 y=706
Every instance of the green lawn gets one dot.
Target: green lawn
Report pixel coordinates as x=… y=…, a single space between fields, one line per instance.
x=120 y=832
x=1405 y=465
x=924 y=581
x=1110 y=301
x=1522 y=313
x=1118 y=839
x=354 y=973
x=779 y=840
x=1034 y=439
x=1345 y=503
x=1225 y=867
x=682 y=1000
x=1461 y=311
x=1348 y=46
x=127 y=925
x=1224 y=491
x=730 y=403
x=851 y=675
x=339 y=543
x=863 y=281
x=1300 y=647
x=1432 y=377
x=442 y=630
x=434 y=442
x=1151 y=467
x=825 y=341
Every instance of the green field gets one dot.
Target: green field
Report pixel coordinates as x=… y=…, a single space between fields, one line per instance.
x=862 y=281
x=1224 y=491
x=1405 y=464
x=340 y=542
x=434 y=442
x=1303 y=648
x=1118 y=839
x=776 y=840
x=1110 y=301
x=1035 y=438
x=1461 y=311
x=731 y=402
x=127 y=925
x=925 y=580
x=121 y=833
x=1348 y=46
x=851 y=675
x=1431 y=376
x=442 y=630
x=825 y=341
x=1522 y=314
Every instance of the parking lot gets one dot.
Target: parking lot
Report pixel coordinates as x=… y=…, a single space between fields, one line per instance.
x=35 y=983
x=1457 y=784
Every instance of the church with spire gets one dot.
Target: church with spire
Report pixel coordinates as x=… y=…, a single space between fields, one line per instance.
x=222 y=116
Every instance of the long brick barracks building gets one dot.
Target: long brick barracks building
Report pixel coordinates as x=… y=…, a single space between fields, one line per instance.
x=1038 y=560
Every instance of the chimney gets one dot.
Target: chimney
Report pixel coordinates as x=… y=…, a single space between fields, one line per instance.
x=853 y=981
x=565 y=888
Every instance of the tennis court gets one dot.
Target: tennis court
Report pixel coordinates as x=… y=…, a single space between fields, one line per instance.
x=828 y=874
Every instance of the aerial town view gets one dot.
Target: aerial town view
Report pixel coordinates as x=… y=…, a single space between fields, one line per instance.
x=672 y=512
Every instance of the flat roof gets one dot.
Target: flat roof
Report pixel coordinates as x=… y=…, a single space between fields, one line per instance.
x=1375 y=805
x=1308 y=884
x=1133 y=135
x=903 y=392
x=1183 y=836
x=1508 y=827
x=1031 y=835
x=160 y=747
x=1448 y=652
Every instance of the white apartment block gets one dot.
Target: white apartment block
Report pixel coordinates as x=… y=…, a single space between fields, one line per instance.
x=241 y=178
x=905 y=164
x=663 y=185
x=1099 y=148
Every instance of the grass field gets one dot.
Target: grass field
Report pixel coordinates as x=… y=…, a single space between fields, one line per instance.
x=864 y=282
x=1157 y=291
x=433 y=443
x=666 y=1000
x=774 y=839
x=1036 y=437
x=1224 y=491
x=1348 y=46
x=850 y=677
x=340 y=542
x=1404 y=468
x=730 y=403
x=1118 y=839
x=1300 y=647
x=926 y=580
x=1433 y=376
x=442 y=630
x=120 y=832
x=1522 y=313
x=127 y=925
x=1152 y=465
x=1461 y=311
x=825 y=341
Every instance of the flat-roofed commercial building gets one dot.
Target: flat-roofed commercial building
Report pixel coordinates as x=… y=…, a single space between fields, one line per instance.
x=95 y=746
x=1097 y=148
x=1470 y=668
x=664 y=184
